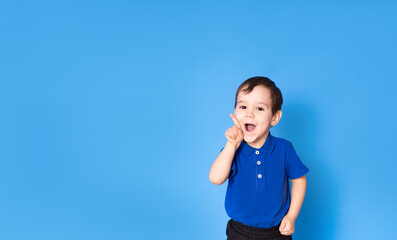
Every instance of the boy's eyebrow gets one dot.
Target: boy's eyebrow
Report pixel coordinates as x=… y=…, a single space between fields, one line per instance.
x=257 y=102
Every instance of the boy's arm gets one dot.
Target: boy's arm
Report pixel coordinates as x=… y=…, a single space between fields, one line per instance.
x=220 y=169
x=298 y=190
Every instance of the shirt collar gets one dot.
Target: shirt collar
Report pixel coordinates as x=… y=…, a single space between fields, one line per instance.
x=267 y=147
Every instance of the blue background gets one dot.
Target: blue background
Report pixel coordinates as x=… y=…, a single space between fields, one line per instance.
x=112 y=113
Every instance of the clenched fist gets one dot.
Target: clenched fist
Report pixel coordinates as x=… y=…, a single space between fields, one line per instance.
x=235 y=134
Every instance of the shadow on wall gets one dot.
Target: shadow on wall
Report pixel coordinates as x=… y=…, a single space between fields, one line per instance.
x=318 y=216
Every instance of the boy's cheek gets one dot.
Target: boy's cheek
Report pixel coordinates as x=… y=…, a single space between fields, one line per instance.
x=239 y=117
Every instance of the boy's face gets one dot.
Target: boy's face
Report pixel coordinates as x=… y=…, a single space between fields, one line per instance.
x=255 y=108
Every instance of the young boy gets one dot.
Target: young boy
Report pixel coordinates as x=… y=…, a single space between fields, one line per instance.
x=258 y=166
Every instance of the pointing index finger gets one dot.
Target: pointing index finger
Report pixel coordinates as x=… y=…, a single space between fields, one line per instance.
x=236 y=122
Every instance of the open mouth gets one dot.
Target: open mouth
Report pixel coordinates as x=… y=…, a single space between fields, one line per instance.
x=249 y=127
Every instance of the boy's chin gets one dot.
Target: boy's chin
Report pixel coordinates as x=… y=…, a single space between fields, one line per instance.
x=249 y=139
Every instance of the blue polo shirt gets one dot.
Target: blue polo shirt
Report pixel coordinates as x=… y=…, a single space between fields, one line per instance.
x=258 y=193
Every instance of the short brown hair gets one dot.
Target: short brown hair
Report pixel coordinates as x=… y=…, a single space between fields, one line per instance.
x=248 y=85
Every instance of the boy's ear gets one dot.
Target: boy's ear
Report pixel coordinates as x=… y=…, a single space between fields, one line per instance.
x=276 y=118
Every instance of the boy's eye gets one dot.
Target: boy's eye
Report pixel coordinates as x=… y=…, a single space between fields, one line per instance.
x=259 y=108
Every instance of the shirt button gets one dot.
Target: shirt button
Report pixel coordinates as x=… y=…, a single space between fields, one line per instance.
x=259 y=175
x=258 y=162
x=257 y=152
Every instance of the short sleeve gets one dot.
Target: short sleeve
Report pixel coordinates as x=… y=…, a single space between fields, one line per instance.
x=233 y=168
x=295 y=167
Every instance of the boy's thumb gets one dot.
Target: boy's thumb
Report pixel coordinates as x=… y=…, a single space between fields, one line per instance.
x=282 y=226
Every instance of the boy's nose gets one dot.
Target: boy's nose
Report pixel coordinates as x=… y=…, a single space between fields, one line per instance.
x=250 y=114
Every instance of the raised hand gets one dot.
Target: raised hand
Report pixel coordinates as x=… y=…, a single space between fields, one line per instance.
x=235 y=133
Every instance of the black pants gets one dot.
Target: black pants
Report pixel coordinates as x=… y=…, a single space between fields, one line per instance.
x=239 y=231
